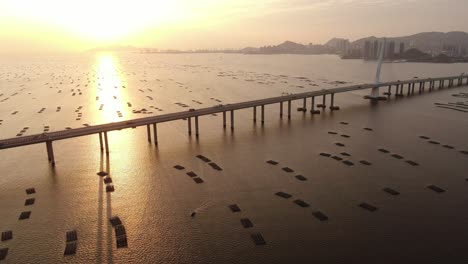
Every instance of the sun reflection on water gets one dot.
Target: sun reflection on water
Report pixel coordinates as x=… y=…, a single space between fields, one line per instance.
x=110 y=90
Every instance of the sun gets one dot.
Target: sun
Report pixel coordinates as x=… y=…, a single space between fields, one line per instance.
x=97 y=20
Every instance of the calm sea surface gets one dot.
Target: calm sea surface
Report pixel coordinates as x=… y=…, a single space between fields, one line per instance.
x=155 y=201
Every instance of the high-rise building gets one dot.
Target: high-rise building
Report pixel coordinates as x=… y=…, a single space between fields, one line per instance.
x=367 y=49
x=375 y=50
x=390 y=50
x=402 y=48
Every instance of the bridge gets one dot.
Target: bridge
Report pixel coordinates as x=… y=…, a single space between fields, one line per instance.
x=102 y=130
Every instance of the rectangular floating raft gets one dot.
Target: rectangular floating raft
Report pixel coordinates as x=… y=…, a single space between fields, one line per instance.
x=320 y=216
x=246 y=223
x=258 y=239
x=234 y=208
x=283 y=195
x=368 y=207
x=71 y=236
x=7 y=235
x=70 y=248
x=301 y=203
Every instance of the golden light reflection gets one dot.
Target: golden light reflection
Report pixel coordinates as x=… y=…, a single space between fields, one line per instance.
x=110 y=91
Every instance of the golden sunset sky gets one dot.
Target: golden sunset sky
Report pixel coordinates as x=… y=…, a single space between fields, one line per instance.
x=61 y=25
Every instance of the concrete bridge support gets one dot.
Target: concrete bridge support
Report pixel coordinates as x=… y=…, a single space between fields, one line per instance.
x=189 y=124
x=50 y=152
x=100 y=142
x=196 y=127
x=389 y=91
x=106 y=141
x=155 y=131
x=255 y=114
x=289 y=109
x=304 y=105
x=148 y=131
x=232 y=119
x=323 y=104
x=332 y=103
x=312 y=107
x=263 y=114
x=281 y=109
x=224 y=119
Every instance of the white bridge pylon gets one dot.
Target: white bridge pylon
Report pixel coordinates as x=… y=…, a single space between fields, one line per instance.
x=375 y=92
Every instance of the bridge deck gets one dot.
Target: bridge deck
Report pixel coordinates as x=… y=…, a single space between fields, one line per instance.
x=77 y=132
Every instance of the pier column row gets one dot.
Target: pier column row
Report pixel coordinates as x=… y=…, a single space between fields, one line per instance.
x=155 y=132
x=289 y=109
x=104 y=144
x=196 y=126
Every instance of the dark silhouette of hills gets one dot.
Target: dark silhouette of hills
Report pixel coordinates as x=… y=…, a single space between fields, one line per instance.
x=425 y=46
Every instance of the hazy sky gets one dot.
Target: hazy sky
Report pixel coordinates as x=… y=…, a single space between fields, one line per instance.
x=61 y=25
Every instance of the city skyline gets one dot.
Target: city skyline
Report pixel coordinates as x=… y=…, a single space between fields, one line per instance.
x=50 y=25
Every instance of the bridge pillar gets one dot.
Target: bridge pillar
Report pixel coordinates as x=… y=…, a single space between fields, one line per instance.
x=399 y=90
x=255 y=114
x=196 y=126
x=312 y=108
x=323 y=105
x=389 y=91
x=412 y=87
x=408 y=92
x=155 y=131
x=281 y=109
x=148 y=131
x=100 y=142
x=304 y=105
x=263 y=114
x=332 y=103
x=224 y=119
x=106 y=141
x=289 y=109
x=189 y=123
x=441 y=84
x=50 y=152
x=232 y=119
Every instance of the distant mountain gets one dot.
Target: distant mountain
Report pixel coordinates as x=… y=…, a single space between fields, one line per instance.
x=289 y=47
x=114 y=48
